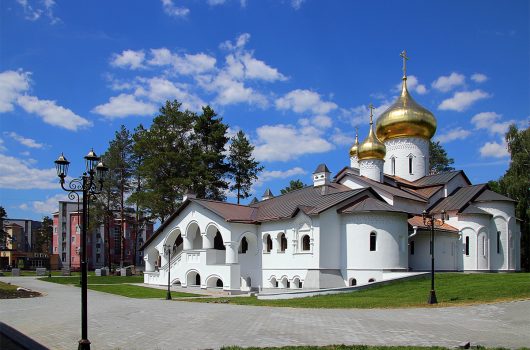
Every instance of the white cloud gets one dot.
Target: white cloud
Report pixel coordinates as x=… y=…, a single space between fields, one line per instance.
x=23 y=140
x=281 y=174
x=301 y=101
x=216 y=2
x=53 y=114
x=128 y=59
x=159 y=89
x=186 y=64
x=340 y=138
x=285 y=142
x=479 y=77
x=296 y=4
x=12 y=85
x=18 y=174
x=454 y=134
x=360 y=115
x=239 y=43
x=489 y=121
x=124 y=105
x=230 y=91
x=175 y=11
x=495 y=150
x=257 y=69
x=48 y=206
x=2 y=147
x=33 y=13
x=463 y=100
x=447 y=83
x=413 y=84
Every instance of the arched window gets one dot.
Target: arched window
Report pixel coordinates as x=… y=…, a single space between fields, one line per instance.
x=218 y=242
x=305 y=243
x=393 y=164
x=197 y=280
x=353 y=282
x=484 y=245
x=498 y=242
x=467 y=245
x=283 y=243
x=219 y=283
x=177 y=245
x=269 y=244
x=371 y=280
x=244 y=245
x=410 y=164
x=373 y=241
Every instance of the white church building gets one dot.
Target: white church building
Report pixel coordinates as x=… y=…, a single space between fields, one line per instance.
x=360 y=226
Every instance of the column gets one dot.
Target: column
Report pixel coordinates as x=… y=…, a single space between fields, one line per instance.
x=207 y=241
x=231 y=252
x=188 y=243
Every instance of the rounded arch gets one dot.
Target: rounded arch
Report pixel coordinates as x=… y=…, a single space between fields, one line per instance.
x=352 y=282
x=296 y=283
x=191 y=227
x=273 y=283
x=281 y=239
x=251 y=243
x=193 y=235
x=172 y=235
x=306 y=243
x=373 y=241
x=371 y=280
x=214 y=281
x=284 y=282
x=267 y=243
x=246 y=283
x=176 y=282
x=193 y=278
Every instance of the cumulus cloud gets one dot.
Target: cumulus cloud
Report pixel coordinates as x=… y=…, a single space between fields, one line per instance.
x=453 y=134
x=38 y=9
x=479 y=77
x=413 y=84
x=463 y=100
x=277 y=142
x=281 y=174
x=449 y=82
x=340 y=138
x=53 y=114
x=128 y=59
x=12 y=170
x=495 y=150
x=159 y=89
x=12 y=85
x=24 y=140
x=321 y=121
x=13 y=88
x=360 y=115
x=48 y=206
x=124 y=105
x=490 y=121
x=297 y=4
x=301 y=101
x=186 y=64
x=173 y=10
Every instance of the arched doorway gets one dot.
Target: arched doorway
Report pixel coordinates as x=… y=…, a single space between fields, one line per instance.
x=218 y=242
x=193 y=279
x=214 y=282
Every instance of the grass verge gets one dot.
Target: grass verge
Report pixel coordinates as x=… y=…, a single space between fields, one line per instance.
x=451 y=289
x=9 y=291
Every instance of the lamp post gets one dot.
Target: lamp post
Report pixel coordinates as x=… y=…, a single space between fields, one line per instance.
x=86 y=185
x=430 y=219
x=167 y=249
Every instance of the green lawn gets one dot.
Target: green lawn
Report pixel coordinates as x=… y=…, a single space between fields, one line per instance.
x=54 y=273
x=9 y=291
x=451 y=289
x=95 y=279
x=132 y=291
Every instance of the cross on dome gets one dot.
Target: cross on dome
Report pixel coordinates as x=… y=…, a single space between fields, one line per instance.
x=405 y=58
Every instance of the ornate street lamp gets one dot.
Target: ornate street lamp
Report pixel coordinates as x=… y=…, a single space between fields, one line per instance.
x=90 y=183
x=430 y=219
x=167 y=250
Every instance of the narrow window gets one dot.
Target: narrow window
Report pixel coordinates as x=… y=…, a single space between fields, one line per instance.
x=371 y=280
x=484 y=245
x=218 y=242
x=410 y=165
x=269 y=244
x=353 y=282
x=373 y=241
x=498 y=242
x=300 y=284
x=467 y=245
x=411 y=247
x=393 y=166
x=244 y=245
x=197 y=280
x=283 y=242
x=305 y=243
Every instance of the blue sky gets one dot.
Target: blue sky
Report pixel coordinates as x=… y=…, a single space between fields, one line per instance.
x=295 y=75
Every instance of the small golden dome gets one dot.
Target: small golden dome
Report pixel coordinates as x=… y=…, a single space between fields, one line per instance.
x=371 y=147
x=405 y=117
x=355 y=146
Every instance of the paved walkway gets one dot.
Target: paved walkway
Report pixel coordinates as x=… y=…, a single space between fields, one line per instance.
x=121 y=323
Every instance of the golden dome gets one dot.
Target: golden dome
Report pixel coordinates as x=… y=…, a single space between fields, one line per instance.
x=405 y=117
x=355 y=146
x=371 y=147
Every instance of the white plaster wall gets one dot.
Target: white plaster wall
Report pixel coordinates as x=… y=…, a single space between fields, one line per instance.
x=401 y=148
x=457 y=181
x=371 y=168
x=409 y=205
x=362 y=276
x=354 y=162
x=473 y=226
x=330 y=238
x=446 y=252
x=355 y=182
x=391 y=248
x=250 y=262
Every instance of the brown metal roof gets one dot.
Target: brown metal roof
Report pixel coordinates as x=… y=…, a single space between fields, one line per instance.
x=369 y=204
x=439 y=179
x=471 y=209
x=429 y=191
x=418 y=222
x=229 y=211
x=395 y=191
x=488 y=196
x=458 y=199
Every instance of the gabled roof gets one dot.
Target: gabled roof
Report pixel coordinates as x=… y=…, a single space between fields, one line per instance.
x=439 y=179
x=228 y=211
x=394 y=191
x=471 y=209
x=369 y=204
x=417 y=221
x=429 y=191
x=488 y=196
x=460 y=198
x=321 y=168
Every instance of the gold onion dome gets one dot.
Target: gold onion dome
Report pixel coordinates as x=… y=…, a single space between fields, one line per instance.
x=355 y=146
x=371 y=147
x=405 y=117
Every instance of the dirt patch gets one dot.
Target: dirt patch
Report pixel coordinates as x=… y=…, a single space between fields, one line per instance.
x=9 y=291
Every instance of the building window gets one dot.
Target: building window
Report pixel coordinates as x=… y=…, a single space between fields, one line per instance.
x=353 y=282
x=218 y=242
x=411 y=247
x=373 y=241
x=371 y=280
x=244 y=245
x=268 y=242
x=467 y=245
x=410 y=165
x=393 y=162
x=484 y=245
x=283 y=243
x=498 y=242
x=305 y=243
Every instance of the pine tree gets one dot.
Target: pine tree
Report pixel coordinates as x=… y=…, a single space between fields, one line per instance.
x=3 y=234
x=244 y=168
x=293 y=185
x=44 y=236
x=439 y=161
